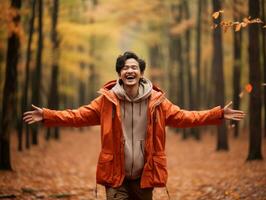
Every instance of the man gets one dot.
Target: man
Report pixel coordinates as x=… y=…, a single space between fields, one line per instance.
x=133 y=114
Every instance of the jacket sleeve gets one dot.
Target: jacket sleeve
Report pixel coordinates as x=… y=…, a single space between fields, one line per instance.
x=87 y=115
x=176 y=117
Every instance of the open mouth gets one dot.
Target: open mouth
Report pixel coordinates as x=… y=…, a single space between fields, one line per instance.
x=130 y=77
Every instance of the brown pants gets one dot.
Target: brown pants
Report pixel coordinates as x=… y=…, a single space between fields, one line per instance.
x=129 y=190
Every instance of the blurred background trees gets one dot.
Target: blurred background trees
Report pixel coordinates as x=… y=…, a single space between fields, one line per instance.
x=202 y=53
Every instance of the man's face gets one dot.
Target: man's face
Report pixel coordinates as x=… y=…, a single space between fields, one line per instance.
x=130 y=73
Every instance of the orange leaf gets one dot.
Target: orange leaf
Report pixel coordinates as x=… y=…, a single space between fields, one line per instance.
x=248 y=88
x=246 y=20
x=244 y=24
x=225 y=28
x=214 y=26
x=238 y=27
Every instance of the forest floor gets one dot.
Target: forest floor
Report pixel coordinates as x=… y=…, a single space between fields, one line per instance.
x=66 y=169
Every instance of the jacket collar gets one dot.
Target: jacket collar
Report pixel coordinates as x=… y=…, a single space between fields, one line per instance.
x=157 y=95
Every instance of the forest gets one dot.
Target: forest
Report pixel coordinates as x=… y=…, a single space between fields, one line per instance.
x=58 y=53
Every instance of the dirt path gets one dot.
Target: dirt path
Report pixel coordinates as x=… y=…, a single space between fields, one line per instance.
x=66 y=170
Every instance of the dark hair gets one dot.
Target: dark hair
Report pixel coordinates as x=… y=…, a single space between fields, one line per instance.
x=121 y=59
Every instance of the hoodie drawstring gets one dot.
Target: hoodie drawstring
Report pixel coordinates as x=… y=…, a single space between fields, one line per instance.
x=96 y=190
x=124 y=102
x=140 y=108
x=168 y=195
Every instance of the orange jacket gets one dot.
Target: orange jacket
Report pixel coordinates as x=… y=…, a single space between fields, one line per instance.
x=105 y=111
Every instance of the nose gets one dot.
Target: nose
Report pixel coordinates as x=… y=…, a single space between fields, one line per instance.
x=129 y=69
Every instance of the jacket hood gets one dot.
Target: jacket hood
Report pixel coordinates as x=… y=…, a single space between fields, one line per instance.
x=156 y=93
x=144 y=92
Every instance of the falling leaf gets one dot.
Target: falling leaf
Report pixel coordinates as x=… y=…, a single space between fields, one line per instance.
x=238 y=27
x=225 y=28
x=216 y=14
x=248 y=88
x=264 y=26
x=246 y=20
x=214 y=26
x=244 y=24
x=241 y=95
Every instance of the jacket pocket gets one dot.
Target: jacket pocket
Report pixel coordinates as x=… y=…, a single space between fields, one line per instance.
x=159 y=170
x=105 y=167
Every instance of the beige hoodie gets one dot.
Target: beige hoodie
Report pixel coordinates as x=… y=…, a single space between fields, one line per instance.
x=134 y=125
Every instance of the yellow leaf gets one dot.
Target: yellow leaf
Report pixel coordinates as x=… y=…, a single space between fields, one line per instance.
x=216 y=15
x=264 y=26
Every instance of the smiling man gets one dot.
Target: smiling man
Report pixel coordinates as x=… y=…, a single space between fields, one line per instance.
x=133 y=114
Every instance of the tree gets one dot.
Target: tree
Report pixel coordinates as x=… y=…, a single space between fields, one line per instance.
x=237 y=62
x=154 y=58
x=24 y=101
x=53 y=101
x=36 y=85
x=198 y=53
x=263 y=17
x=195 y=131
x=255 y=133
x=218 y=75
x=173 y=57
x=92 y=43
x=9 y=95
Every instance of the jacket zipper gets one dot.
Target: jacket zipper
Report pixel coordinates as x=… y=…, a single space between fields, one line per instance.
x=132 y=126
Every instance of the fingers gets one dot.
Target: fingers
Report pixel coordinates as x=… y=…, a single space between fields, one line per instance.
x=28 y=120
x=236 y=118
x=27 y=117
x=27 y=113
x=237 y=111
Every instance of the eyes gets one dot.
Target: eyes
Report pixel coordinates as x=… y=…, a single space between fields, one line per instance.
x=133 y=67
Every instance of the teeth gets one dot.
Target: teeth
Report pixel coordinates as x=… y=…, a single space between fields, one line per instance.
x=130 y=77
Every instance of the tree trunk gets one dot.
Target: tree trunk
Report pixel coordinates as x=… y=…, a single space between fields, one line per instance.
x=255 y=133
x=198 y=54
x=172 y=62
x=180 y=61
x=92 y=76
x=263 y=17
x=237 y=63
x=154 y=58
x=53 y=101
x=24 y=102
x=36 y=85
x=218 y=74
x=9 y=95
x=191 y=97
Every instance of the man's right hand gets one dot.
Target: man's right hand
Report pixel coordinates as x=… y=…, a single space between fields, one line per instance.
x=31 y=117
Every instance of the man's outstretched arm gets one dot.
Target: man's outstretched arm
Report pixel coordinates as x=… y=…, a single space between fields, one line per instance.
x=180 y=118
x=84 y=116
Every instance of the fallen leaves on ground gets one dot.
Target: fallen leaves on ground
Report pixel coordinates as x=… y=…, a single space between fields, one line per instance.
x=66 y=169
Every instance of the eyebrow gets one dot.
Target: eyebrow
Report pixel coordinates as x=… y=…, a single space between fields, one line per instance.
x=131 y=65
